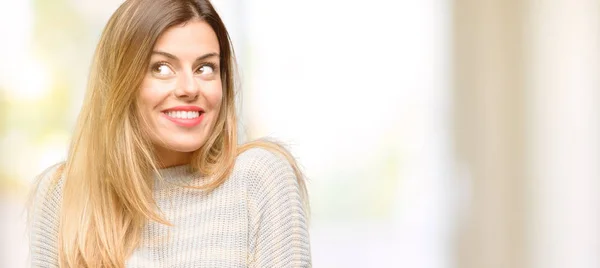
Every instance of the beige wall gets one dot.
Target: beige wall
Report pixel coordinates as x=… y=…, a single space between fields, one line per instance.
x=527 y=116
x=489 y=103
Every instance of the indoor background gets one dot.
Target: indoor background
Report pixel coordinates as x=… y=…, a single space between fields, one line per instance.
x=434 y=133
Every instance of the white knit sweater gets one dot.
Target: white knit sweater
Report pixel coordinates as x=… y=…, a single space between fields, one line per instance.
x=254 y=219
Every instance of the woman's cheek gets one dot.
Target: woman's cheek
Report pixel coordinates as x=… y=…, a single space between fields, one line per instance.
x=215 y=94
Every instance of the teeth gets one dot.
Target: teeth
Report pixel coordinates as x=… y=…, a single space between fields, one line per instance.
x=183 y=114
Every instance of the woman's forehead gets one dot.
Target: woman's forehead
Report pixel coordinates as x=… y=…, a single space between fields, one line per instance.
x=189 y=39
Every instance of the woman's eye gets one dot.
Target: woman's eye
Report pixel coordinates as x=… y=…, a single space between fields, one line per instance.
x=206 y=69
x=162 y=69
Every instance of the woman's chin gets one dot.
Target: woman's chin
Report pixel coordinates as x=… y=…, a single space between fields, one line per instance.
x=178 y=147
x=185 y=148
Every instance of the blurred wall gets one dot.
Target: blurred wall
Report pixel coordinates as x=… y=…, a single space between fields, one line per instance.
x=360 y=92
x=527 y=113
x=490 y=98
x=564 y=132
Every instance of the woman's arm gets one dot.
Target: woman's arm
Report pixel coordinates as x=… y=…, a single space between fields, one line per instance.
x=44 y=219
x=278 y=228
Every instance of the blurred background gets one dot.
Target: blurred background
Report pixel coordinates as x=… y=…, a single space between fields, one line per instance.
x=435 y=133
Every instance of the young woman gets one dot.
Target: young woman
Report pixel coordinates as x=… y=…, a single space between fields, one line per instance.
x=154 y=176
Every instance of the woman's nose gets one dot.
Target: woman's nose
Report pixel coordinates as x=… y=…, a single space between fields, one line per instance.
x=188 y=87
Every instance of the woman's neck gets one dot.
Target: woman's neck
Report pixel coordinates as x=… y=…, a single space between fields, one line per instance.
x=169 y=158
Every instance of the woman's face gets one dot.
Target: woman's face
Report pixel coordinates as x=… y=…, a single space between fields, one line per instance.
x=181 y=93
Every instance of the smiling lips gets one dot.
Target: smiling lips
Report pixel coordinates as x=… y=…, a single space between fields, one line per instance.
x=185 y=116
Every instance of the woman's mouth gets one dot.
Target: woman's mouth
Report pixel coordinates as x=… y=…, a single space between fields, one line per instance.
x=188 y=116
x=183 y=114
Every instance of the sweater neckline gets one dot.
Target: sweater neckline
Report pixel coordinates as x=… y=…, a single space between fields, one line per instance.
x=175 y=171
x=176 y=174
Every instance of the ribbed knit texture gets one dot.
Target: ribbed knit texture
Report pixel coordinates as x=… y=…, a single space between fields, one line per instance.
x=254 y=219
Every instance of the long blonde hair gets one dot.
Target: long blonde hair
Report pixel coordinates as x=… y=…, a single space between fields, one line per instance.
x=107 y=194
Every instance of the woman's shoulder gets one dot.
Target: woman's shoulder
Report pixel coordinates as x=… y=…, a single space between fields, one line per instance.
x=52 y=174
x=259 y=159
x=49 y=182
x=264 y=167
x=258 y=154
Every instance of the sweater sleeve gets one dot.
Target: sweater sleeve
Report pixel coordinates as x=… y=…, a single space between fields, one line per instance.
x=44 y=220
x=278 y=229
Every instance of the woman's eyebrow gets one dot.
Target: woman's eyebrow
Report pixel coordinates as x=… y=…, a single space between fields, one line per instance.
x=173 y=57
